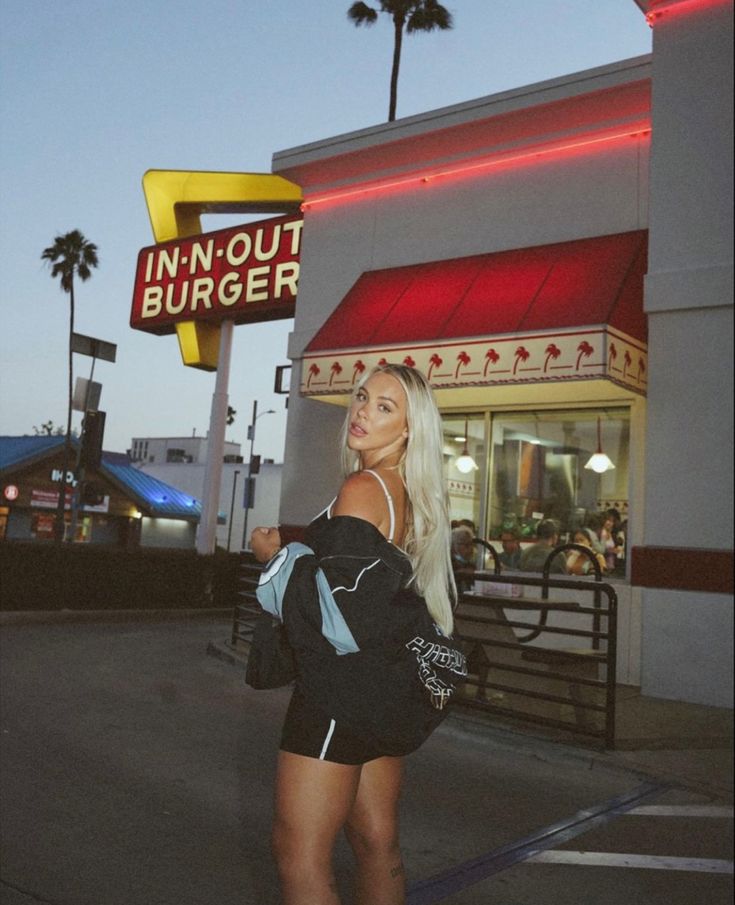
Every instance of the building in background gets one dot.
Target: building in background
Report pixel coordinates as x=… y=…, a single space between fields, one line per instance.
x=181 y=462
x=558 y=260
x=172 y=450
x=122 y=505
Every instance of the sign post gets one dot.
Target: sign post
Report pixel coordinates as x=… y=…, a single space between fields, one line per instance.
x=207 y=533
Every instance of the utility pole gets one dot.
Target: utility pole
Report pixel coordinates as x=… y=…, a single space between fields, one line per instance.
x=232 y=508
x=248 y=479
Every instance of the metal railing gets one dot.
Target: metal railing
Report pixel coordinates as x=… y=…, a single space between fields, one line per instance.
x=541 y=683
x=247 y=607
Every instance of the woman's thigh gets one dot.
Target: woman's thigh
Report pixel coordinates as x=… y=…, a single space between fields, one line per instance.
x=313 y=800
x=373 y=817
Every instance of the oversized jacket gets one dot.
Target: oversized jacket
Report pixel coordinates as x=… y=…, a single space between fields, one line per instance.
x=367 y=651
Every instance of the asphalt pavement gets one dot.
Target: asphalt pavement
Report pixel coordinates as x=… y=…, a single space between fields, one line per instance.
x=137 y=769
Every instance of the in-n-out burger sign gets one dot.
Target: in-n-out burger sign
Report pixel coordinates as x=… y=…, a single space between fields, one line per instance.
x=246 y=273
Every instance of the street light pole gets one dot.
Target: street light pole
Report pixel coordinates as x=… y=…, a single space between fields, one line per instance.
x=232 y=507
x=249 y=471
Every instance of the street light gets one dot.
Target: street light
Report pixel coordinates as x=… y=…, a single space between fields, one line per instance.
x=249 y=485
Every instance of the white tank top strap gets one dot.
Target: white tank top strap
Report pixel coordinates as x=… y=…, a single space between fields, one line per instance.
x=389 y=498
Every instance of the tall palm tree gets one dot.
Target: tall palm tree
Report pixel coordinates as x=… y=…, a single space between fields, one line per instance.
x=411 y=15
x=71 y=255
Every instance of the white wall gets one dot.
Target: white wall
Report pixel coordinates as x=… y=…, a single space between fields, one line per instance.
x=166 y=532
x=687 y=636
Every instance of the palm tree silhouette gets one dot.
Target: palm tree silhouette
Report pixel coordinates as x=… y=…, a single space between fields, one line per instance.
x=585 y=350
x=521 y=354
x=434 y=362
x=628 y=361
x=462 y=359
x=611 y=355
x=358 y=368
x=335 y=369
x=71 y=255
x=409 y=362
x=313 y=371
x=413 y=15
x=491 y=357
x=641 y=368
x=552 y=351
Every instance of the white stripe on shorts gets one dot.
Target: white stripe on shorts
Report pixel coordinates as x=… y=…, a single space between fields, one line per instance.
x=327 y=739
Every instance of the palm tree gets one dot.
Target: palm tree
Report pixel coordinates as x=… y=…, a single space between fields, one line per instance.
x=413 y=15
x=71 y=255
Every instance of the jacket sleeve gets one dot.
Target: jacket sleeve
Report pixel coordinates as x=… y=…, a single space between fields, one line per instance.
x=354 y=577
x=280 y=576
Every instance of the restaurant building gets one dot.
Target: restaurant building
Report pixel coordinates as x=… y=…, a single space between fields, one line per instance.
x=124 y=507
x=558 y=260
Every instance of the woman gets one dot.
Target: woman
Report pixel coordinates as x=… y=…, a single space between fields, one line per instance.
x=579 y=563
x=371 y=654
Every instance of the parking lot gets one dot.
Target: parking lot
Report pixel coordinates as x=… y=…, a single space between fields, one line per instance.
x=137 y=770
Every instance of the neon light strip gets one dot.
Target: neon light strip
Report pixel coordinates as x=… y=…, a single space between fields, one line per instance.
x=658 y=9
x=473 y=167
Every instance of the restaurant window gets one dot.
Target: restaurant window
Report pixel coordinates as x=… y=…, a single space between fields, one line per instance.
x=530 y=466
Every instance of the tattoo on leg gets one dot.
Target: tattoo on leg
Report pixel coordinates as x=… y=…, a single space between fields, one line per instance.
x=397 y=870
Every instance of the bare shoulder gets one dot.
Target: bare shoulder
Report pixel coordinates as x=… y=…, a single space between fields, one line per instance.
x=361 y=497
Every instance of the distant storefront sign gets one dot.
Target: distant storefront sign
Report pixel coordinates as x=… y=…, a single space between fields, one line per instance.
x=49 y=499
x=246 y=273
x=11 y=492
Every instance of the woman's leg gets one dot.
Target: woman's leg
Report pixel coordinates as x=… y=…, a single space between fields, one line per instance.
x=372 y=830
x=313 y=799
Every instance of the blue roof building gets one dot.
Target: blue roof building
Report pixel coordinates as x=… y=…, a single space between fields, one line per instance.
x=131 y=508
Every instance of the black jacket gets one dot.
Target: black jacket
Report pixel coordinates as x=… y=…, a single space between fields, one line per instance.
x=397 y=670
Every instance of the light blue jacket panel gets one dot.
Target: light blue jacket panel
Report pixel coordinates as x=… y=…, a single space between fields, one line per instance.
x=271 y=592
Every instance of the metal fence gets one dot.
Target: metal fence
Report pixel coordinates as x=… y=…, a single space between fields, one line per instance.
x=247 y=607
x=547 y=657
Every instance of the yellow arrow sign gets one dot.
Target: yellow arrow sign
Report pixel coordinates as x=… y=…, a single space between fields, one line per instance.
x=176 y=199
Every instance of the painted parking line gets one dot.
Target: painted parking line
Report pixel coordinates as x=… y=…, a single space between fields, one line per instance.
x=647 y=862
x=681 y=810
x=450 y=882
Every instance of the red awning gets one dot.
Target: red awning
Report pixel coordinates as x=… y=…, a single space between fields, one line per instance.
x=568 y=290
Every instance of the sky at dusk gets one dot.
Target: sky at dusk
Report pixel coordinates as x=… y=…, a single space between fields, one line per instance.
x=93 y=93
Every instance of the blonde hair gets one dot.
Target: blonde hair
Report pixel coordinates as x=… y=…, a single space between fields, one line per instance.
x=428 y=540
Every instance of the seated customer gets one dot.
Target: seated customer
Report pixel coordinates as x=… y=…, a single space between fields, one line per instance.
x=463 y=553
x=510 y=558
x=578 y=563
x=534 y=558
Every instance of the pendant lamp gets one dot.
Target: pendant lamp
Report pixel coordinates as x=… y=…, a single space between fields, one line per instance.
x=599 y=462
x=465 y=463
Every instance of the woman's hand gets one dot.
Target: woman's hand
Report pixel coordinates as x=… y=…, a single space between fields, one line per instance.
x=265 y=543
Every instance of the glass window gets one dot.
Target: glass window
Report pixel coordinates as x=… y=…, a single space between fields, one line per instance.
x=529 y=466
x=465 y=463
x=538 y=469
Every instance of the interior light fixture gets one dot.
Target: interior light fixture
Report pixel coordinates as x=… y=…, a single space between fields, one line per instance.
x=599 y=462
x=465 y=463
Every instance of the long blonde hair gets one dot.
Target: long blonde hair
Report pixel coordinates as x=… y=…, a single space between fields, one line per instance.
x=428 y=540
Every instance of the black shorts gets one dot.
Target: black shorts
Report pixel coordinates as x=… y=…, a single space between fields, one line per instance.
x=311 y=732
